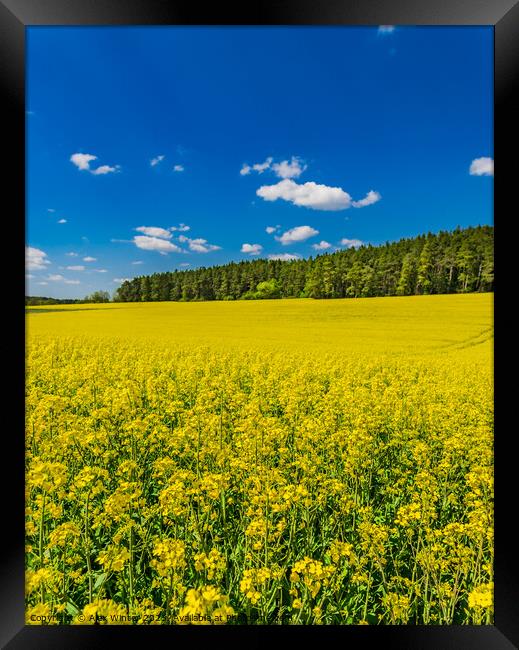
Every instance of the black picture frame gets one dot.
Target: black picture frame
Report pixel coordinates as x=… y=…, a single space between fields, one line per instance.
x=15 y=16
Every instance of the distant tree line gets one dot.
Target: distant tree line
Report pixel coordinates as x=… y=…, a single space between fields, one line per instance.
x=460 y=261
x=97 y=296
x=32 y=301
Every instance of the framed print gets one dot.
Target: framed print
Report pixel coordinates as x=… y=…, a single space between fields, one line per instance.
x=258 y=352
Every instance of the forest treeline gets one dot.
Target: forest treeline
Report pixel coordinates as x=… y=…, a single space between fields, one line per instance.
x=459 y=261
x=97 y=296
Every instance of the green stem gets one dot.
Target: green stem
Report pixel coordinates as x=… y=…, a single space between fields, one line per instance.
x=87 y=552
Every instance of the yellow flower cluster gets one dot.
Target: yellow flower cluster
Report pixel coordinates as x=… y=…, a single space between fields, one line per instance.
x=482 y=596
x=313 y=575
x=205 y=606
x=169 y=556
x=254 y=581
x=213 y=563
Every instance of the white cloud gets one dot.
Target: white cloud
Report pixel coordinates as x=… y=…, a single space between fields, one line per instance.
x=105 y=169
x=321 y=246
x=178 y=168
x=257 y=167
x=482 y=167
x=292 y=169
x=351 y=243
x=386 y=29
x=137 y=262
x=100 y=270
x=309 y=195
x=155 y=161
x=261 y=167
x=51 y=210
x=82 y=160
x=29 y=276
x=297 y=234
x=42 y=283
x=88 y=258
x=121 y=280
x=370 y=198
x=251 y=249
x=283 y=169
x=75 y=268
x=270 y=229
x=72 y=254
x=56 y=277
x=153 y=231
x=285 y=257
x=199 y=245
x=155 y=244
x=181 y=227
x=62 y=221
x=71 y=281
x=185 y=264
x=35 y=259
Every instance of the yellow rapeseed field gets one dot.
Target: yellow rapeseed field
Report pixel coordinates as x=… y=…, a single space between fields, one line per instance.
x=284 y=461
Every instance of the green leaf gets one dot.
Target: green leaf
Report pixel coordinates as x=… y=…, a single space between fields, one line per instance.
x=99 y=580
x=71 y=608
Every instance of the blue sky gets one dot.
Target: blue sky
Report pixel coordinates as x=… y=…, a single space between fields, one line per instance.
x=328 y=137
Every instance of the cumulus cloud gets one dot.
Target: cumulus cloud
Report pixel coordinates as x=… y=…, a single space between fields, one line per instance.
x=257 y=167
x=292 y=169
x=351 y=243
x=71 y=281
x=35 y=259
x=155 y=244
x=72 y=254
x=309 y=195
x=261 y=167
x=121 y=280
x=285 y=257
x=55 y=277
x=370 y=198
x=88 y=258
x=297 y=234
x=185 y=264
x=386 y=29
x=82 y=162
x=178 y=168
x=154 y=231
x=104 y=169
x=283 y=169
x=321 y=246
x=155 y=161
x=75 y=268
x=62 y=221
x=199 y=245
x=42 y=283
x=251 y=249
x=100 y=270
x=181 y=227
x=482 y=167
